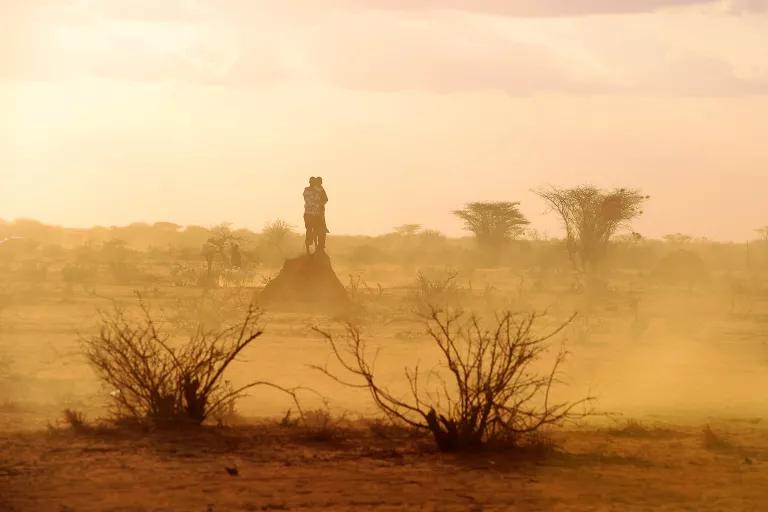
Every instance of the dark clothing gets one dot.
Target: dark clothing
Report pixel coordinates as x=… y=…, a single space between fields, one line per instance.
x=315 y=223
x=315 y=199
x=316 y=230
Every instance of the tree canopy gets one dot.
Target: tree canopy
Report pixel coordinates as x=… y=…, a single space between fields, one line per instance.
x=493 y=223
x=591 y=216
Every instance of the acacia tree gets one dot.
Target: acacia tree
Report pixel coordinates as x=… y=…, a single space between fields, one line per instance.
x=493 y=223
x=407 y=229
x=763 y=233
x=591 y=217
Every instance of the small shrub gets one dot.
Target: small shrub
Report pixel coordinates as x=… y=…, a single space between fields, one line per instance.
x=632 y=428
x=681 y=267
x=360 y=292
x=183 y=275
x=487 y=392
x=319 y=425
x=78 y=273
x=76 y=421
x=439 y=289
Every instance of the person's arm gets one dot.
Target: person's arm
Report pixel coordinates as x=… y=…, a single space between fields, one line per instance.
x=324 y=196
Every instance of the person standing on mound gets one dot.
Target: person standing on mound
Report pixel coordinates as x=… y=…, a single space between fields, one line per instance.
x=315 y=199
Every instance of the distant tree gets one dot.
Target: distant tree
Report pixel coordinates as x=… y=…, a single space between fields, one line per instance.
x=678 y=238
x=431 y=235
x=166 y=226
x=591 y=217
x=276 y=233
x=763 y=233
x=220 y=237
x=493 y=223
x=407 y=229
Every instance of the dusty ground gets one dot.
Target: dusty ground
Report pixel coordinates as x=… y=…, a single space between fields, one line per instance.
x=681 y=360
x=282 y=468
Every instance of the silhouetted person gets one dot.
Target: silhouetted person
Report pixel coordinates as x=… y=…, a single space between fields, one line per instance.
x=314 y=214
x=234 y=256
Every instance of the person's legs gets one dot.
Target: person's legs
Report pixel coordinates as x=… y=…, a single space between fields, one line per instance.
x=322 y=229
x=310 y=236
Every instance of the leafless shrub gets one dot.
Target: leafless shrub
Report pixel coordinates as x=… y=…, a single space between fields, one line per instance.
x=75 y=420
x=321 y=426
x=163 y=384
x=486 y=390
x=440 y=290
x=359 y=291
x=318 y=425
x=631 y=428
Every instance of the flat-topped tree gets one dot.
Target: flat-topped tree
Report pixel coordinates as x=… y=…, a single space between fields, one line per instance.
x=591 y=216
x=493 y=223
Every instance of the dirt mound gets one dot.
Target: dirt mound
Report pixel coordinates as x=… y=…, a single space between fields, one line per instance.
x=306 y=282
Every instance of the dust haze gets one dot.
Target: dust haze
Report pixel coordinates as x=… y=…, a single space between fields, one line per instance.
x=669 y=335
x=383 y=256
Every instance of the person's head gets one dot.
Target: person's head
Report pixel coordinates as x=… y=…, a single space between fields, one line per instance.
x=319 y=181
x=312 y=181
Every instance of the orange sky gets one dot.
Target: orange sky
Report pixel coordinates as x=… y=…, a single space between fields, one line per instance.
x=203 y=111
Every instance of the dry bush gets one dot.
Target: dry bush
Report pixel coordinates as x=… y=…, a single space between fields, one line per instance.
x=440 y=289
x=183 y=274
x=360 y=292
x=79 y=273
x=318 y=425
x=156 y=382
x=636 y=429
x=486 y=390
x=75 y=420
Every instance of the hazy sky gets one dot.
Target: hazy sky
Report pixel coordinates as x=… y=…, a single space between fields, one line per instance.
x=203 y=111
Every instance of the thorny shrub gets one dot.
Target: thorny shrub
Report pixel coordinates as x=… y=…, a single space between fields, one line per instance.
x=162 y=383
x=486 y=390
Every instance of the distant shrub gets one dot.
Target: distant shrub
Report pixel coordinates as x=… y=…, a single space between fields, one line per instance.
x=360 y=292
x=75 y=420
x=437 y=288
x=681 y=267
x=124 y=272
x=79 y=273
x=184 y=275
